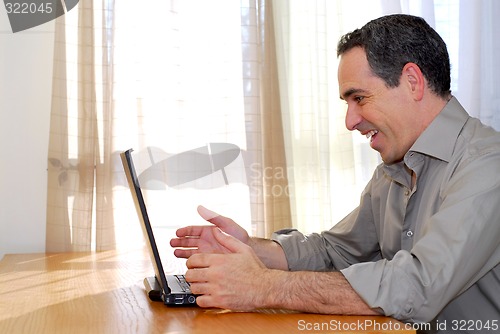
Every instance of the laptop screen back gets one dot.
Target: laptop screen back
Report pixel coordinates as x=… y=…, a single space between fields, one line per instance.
x=147 y=229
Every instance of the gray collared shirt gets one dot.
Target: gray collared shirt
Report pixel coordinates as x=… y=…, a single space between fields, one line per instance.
x=431 y=252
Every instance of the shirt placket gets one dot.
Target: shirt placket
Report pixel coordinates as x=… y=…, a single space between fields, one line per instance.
x=407 y=232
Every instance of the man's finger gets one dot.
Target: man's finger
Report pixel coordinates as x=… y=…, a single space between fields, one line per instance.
x=205 y=301
x=198 y=260
x=206 y=213
x=185 y=242
x=189 y=231
x=214 y=218
x=229 y=242
x=184 y=253
x=200 y=288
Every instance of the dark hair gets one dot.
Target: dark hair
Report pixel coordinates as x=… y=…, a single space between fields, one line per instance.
x=392 y=41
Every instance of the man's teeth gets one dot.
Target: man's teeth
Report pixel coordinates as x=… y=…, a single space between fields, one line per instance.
x=371 y=133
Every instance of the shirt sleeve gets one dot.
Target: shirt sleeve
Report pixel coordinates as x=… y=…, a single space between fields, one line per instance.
x=459 y=245
x=350 y=241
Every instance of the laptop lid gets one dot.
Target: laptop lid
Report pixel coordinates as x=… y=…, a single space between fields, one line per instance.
x=147 y=229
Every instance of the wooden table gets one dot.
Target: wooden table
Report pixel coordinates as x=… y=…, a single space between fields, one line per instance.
x=104 y=293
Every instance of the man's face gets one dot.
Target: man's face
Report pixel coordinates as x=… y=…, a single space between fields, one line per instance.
x=383 y=114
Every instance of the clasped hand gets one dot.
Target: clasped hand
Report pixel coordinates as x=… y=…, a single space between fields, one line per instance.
x=222 y=269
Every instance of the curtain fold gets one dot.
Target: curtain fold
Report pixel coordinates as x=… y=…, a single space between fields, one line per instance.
x=104 y=146
x=71 y=179
x=80 y=194
x=275 y=176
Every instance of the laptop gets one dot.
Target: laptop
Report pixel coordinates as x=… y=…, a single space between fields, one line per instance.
x=171 y=289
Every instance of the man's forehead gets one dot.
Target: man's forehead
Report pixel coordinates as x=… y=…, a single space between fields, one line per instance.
x=354 y=73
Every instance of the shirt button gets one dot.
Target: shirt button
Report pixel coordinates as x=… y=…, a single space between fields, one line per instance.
x=407 y=192
x=409 y=234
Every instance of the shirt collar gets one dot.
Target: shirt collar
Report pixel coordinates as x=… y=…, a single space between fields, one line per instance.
x=439 y=138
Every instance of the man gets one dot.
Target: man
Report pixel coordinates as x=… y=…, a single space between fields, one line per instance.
x=424 y=242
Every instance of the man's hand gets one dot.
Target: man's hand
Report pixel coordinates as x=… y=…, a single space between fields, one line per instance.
x=235 y=281
x=200 y=239
x=227 y=269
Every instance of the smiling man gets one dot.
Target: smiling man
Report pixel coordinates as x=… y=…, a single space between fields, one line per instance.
x=423 y=245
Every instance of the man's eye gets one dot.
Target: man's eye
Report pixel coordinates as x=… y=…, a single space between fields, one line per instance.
x=358 y=98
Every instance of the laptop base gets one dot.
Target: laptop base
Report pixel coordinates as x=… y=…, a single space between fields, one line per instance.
x=154 y=292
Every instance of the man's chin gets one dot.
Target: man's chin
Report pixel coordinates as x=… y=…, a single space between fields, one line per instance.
x=390 y=160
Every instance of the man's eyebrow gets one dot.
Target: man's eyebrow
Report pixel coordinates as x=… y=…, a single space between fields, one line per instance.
x=350 y=92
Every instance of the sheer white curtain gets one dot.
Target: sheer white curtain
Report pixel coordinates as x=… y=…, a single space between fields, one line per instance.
x=178 y=86
x=329 y=166
x=478 y=71
x=169 y=79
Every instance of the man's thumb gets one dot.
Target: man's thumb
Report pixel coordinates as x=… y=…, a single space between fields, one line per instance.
x=228 y=241
x=214 y=218
x=206 y=214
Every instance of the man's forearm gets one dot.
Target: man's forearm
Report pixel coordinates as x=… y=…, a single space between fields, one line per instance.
x=314 y=292
x=269 y=252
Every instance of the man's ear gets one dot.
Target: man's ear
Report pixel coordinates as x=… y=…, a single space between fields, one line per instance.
x=412 y=76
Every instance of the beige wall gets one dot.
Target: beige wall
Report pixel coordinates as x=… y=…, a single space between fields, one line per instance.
x=25 y=89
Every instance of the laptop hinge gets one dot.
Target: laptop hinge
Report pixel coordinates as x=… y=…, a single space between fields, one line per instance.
x=153 y=288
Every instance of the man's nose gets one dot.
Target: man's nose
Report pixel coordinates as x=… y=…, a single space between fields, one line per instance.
x=352 y=118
